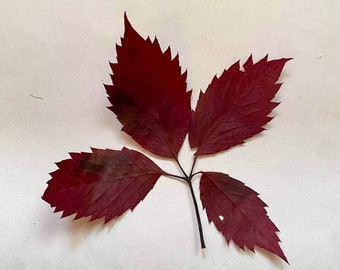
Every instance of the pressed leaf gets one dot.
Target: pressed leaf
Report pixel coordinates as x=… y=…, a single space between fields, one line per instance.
x=238 y=213
x=105 y=183
x=235 y=106
x=149 y=94
x=150 y=99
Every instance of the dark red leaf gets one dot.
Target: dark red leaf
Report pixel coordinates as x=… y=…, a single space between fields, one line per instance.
x=150 y=99
x=149 y=94
x=235 y=106
x=238 y=213
x=104 y=183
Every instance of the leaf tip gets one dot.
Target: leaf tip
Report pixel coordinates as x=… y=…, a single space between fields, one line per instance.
x=126 y=20
x=128 y=26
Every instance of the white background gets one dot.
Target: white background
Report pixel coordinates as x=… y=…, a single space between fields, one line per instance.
x=59 y=51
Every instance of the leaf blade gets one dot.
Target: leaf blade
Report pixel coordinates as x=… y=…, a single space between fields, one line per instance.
x=238 y=213
x=105 y=183
x=149 y=94
x=235 y=106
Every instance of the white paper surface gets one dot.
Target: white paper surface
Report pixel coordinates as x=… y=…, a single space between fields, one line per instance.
x=53 y=61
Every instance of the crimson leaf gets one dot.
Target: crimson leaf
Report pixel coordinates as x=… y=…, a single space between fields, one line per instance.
x=238 y=213
x=105 y=183
x=149 y=95
x=235 y=106
x=149 y=98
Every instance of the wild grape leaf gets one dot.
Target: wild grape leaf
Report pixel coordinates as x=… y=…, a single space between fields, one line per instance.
x=238 y=213
x=149 y=94
x=105 y=183
x=235 y=106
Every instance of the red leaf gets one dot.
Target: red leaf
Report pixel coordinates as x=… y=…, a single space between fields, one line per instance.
x=235 y=106
x=104 y=183
x=149 y=98
x=149 y=94
x=238 y=213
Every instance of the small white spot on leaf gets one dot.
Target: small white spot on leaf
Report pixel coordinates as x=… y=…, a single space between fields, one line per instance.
x=221 y=217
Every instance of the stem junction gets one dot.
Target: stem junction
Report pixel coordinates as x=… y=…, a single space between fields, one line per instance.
x=188 y=180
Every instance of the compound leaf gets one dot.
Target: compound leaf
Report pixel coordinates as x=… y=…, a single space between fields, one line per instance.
x=149 y=97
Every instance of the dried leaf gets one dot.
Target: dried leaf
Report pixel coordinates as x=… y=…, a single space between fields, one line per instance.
x=238 y=213
x=105 y=183
x=149 y=94
x=150 y=99
x=235 y=106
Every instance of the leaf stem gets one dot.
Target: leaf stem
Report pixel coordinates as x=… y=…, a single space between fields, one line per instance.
x=180 y=166
x=188 y=180
x=193 y=165
x=175 y=176
x=196 y=173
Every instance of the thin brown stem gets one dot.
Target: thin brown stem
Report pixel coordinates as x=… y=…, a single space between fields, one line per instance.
x=180 y=166
x=188 y=179
x=193 y=165
x=175 y=176
x=199 y=223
